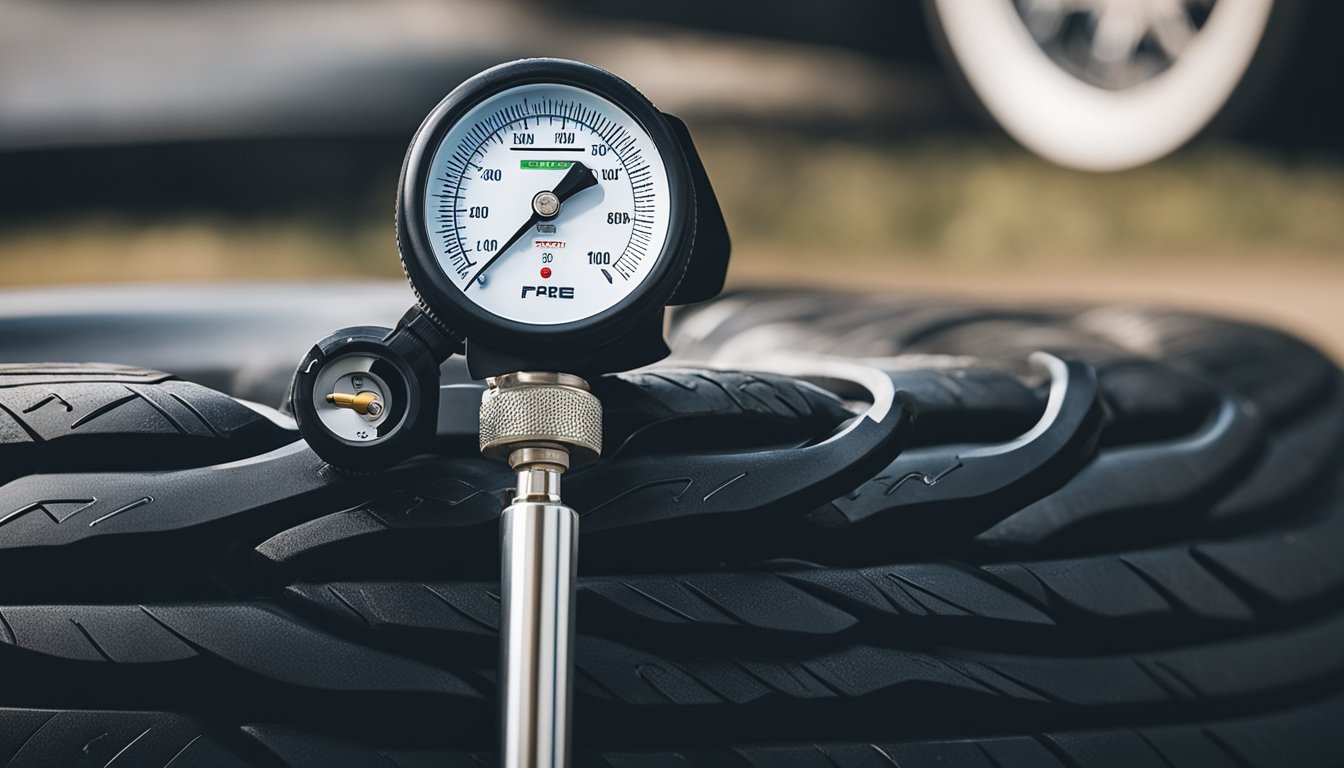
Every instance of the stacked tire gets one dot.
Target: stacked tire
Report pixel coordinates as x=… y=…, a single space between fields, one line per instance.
x=1089 y=537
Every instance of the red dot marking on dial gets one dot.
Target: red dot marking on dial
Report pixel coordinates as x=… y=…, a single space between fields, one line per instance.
x=545 y=271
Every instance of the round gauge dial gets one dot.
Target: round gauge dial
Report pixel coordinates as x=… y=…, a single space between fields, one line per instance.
x=546 y=203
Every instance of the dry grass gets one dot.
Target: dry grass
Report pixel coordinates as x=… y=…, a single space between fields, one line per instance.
x=977 y=204
x=107 y=249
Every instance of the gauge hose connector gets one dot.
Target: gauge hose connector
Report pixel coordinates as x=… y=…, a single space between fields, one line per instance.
x=548 y=418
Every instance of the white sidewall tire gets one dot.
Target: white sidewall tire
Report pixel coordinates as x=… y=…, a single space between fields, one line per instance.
x=1066 y=120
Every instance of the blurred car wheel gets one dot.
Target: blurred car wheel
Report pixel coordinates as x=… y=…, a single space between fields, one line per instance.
x=1104 y=84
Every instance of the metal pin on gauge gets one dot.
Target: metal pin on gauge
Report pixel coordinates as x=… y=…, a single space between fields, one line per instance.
x=364 y=404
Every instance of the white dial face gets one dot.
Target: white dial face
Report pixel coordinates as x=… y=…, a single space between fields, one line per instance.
x=547 y=204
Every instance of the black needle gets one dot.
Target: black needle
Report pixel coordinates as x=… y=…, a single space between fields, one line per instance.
x=507 y=244
x=579 y=178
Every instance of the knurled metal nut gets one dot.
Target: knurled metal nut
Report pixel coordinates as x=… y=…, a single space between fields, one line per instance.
x=538 y=414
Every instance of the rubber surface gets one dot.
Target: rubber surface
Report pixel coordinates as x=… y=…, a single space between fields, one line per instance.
x=1124 y=552
x=68 y=418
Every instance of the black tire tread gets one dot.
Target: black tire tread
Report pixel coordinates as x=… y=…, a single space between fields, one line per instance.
x=1166 y=589
x=70 y=418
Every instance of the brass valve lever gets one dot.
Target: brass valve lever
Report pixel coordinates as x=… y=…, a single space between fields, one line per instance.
x=365 y=403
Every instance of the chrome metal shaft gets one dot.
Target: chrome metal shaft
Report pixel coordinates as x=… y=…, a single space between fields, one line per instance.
x=543 y=424
x=540 y=547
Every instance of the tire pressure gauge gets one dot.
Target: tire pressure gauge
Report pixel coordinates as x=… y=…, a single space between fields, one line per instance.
x=548 y=213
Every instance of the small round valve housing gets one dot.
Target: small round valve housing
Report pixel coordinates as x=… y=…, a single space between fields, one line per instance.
x=361 y=404
x=530 y=410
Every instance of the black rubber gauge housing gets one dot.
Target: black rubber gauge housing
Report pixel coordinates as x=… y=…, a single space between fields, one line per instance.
x=689 y=268
x=411 y=384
